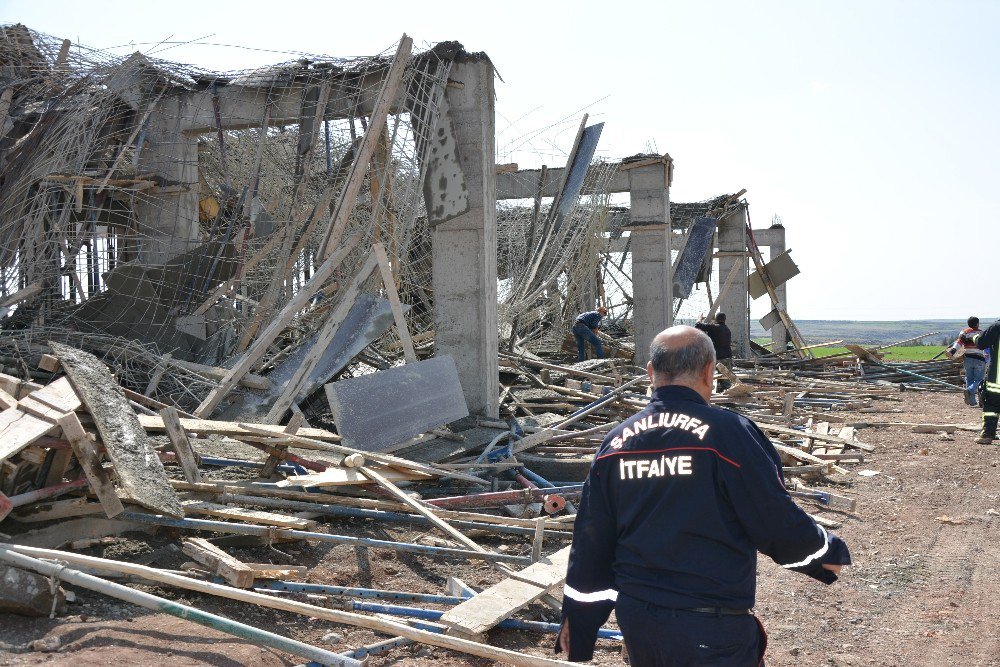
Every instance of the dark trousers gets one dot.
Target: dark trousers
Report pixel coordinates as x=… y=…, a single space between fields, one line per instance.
x=582 y=333
x=991 y=411
x=660 y=637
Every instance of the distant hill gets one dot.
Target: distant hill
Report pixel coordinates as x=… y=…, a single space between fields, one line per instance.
x=874 y=332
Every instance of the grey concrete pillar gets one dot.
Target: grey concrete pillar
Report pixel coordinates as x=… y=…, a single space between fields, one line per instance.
x=652 y=287
x=168 y=218
x=464 y=240
x=779 y=335
x=732 y=238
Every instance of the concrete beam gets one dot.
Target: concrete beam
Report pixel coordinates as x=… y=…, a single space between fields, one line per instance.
x=464 y=244
x=524 y=184
x=652 y=287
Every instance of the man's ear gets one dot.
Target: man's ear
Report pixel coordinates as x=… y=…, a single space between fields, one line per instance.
x=710 y=374
x=649 y=371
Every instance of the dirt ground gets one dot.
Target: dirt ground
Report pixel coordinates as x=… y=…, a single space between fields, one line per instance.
x=924 y=590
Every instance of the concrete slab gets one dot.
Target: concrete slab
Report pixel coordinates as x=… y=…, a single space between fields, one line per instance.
x=375 y=411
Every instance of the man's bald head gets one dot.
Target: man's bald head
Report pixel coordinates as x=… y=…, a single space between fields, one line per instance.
x=679 y=355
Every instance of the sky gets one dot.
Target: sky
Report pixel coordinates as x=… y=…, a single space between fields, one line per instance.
x=869 y=127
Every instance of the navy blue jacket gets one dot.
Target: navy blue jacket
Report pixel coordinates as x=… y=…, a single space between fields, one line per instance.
x=591 y=319
x=679 y=500
x=990 y=340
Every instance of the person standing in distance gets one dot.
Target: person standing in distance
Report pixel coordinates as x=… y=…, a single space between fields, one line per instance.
x=680 y=498
x=722 y=341
x=585 y=329
x=973 y=358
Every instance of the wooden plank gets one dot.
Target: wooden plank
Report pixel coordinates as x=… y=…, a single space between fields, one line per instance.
x=61 y=461
x=409 y=354
x=182 y=446
x=269 y=571
x=239 y=431
x=783 y=430
x=249 y=516
x=498 y=602
x=19 y=429
x=249 y=380
x=277 y=325
x=16 y=387
x=137 y=467
x=231 y=569
x=345 y=477
x=86 y=454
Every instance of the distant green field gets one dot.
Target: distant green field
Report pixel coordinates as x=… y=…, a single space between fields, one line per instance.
x=902 y=353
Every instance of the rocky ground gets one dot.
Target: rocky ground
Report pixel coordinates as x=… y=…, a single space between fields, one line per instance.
x=924 y=590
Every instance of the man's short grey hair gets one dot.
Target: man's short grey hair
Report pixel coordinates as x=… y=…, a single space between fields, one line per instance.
x=675 y=363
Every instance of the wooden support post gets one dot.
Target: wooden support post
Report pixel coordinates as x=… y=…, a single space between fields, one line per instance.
x=83 y=448
x=536 y=544
x=186 y=455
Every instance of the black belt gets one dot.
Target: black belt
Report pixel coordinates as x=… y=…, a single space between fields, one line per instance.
x=719 y=611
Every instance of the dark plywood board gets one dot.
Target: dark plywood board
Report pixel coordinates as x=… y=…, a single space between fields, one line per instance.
x=140 y=474
x=375 y=411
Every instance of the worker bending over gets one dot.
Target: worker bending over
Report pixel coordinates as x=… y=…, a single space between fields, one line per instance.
x=585 y=329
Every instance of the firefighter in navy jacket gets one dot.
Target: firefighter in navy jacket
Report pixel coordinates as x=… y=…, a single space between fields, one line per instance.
x=679 y=500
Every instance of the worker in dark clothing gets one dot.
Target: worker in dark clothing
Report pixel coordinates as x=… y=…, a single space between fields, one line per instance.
x=722 y=341
x=988 y=340
x=680 y=498
x=585 y=329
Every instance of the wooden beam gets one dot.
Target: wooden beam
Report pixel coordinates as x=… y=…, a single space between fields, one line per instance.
x=348 y=197
x=186 y=455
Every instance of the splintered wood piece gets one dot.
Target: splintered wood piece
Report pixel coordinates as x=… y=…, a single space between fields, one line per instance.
x=231 y=569
x=249 y=516
x=205 y=427
x=268 y=571
x=61 y=460
x=182 y=446
x=137 y=467
x=86 y=454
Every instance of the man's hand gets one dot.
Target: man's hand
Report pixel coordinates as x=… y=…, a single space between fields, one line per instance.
x=564 y=637
x=833 y=568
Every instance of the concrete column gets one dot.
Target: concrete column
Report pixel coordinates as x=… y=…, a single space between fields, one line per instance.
x=168 y=218
x=461 y=199
x=777 y=246
x=732 y=238
x=652 y=287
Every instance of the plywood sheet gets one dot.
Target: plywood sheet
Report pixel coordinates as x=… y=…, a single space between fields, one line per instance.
x=373 y=412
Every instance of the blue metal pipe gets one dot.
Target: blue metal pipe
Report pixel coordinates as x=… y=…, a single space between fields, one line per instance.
x=434 y=615
x=289 y=468
x=537 y=479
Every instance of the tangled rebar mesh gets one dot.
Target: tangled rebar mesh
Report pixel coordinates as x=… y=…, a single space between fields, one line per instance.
x=180 y=209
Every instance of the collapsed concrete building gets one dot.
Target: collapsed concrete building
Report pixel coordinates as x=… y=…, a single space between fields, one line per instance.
x=172 y=219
